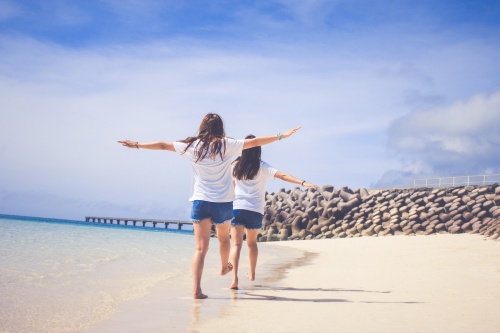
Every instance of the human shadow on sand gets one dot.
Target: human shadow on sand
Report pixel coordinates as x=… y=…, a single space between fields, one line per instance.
x=258 y=293
x=262 y=297
x=261 y=287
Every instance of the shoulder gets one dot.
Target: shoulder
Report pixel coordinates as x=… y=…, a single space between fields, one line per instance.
x=265 y=165
x=233 y=144
x=268 y=169
x=233 y=141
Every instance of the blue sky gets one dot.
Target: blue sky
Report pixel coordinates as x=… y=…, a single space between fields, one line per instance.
x=385 y=91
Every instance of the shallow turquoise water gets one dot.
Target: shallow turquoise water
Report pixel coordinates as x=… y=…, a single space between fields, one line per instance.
x=60 y=276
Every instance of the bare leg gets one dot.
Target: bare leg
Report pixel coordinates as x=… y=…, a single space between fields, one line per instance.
x=202 y=231
x=224 y=246
x=234 y=256
x=253 y=251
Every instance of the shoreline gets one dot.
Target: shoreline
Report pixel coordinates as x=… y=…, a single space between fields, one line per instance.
x=434 y=283
x=168 y=309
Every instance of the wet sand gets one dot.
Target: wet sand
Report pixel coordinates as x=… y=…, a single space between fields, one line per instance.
x=170 y=307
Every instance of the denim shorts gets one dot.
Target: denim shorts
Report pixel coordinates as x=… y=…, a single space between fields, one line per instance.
x=247 y=218
x=219 y=212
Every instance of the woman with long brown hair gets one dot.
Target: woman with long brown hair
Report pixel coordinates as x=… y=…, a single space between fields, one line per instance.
x=210 y=154
x=250 y=175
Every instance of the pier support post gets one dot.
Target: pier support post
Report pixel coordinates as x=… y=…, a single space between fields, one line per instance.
x=126 y=221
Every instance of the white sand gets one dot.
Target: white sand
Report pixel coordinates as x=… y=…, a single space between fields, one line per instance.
x=437 y=283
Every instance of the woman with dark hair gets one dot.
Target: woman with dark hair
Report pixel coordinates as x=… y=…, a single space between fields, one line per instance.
x=250 y=175
x=210 y=154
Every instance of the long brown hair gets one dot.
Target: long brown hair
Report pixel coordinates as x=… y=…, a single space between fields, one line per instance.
x=211 y=135
x=247 y=165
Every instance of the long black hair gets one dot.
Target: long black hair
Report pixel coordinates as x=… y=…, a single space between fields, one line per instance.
x=248 y=164
x=211 y=135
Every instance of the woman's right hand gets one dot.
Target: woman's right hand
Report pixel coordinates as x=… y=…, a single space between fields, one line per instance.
x=128 y=143
x=288 y=133
x=310 y=185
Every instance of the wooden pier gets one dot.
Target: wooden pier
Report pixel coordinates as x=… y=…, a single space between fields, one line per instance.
x=134 y=221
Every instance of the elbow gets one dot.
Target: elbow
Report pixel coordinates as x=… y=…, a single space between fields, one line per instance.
x=165 y=146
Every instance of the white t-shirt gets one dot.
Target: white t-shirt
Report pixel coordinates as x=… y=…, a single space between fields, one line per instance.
x=251 y=194
x=212 y=176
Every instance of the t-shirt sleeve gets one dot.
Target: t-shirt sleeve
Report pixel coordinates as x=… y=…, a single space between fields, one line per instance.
x=268 y=170
x=179 y=147
x=234 y=148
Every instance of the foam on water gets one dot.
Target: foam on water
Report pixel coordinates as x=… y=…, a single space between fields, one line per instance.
x=62 y=277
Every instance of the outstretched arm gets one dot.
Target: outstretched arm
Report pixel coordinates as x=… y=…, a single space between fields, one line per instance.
x=159 y=145
x=291 y=179
x=264 y=140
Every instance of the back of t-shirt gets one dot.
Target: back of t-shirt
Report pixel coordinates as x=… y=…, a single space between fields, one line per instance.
x=212 y=176
x=251 y=194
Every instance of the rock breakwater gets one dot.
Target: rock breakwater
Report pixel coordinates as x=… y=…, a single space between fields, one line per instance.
x=327 y=212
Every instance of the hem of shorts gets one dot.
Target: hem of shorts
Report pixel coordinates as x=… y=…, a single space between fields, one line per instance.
x=242 y=225
x=228 y=220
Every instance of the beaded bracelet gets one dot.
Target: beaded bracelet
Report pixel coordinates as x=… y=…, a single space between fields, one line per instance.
x=279 y=136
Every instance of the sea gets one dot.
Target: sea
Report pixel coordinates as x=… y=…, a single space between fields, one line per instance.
x=74 y=276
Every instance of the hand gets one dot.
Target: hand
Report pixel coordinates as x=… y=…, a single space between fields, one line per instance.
x=306 y=184
x=286 y=134
x=128 y=143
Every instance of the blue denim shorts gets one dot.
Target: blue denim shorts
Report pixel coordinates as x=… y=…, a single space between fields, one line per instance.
x=219 y=212
x=247 y=218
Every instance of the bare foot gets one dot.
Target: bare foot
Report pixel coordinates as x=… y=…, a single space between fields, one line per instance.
x=200 y=295
x=227 y=269
x=234 y=286
x=251 y=277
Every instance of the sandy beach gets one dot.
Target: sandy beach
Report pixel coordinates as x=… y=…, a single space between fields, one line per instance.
x=436 y=283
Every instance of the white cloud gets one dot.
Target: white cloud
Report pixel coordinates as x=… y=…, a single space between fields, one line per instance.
x=460 y=139
x=468 y=129
x=63 y=109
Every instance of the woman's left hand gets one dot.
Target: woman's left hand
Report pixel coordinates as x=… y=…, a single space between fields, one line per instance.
x=288 y=133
